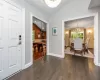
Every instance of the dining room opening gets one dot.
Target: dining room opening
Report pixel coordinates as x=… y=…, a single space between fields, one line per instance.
x=39 y=38
x=79 y=37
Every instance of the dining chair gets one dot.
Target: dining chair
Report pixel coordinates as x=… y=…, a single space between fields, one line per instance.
x=71 y=40
x=78 y=45
x=71 y=44
x=86 y=44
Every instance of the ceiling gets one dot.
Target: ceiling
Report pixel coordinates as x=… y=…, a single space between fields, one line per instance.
x=39 y=23
x=40 y=4
x=85 y=22
x=94 y=3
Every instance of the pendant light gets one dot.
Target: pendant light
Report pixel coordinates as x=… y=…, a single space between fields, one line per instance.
x=52 y=3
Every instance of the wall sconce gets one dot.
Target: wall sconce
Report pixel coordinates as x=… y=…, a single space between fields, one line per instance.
x=66 y=32
x=89 y=31
x=42 y=28
x=39 y=36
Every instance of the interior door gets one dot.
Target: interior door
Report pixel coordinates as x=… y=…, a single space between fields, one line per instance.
x=10 y=39
x=14 y=38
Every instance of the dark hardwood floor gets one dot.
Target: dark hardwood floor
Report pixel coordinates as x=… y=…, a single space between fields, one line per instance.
x=69 y=68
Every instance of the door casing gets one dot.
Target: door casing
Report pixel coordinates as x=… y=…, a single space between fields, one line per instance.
x=47 y=36
x=95 y=15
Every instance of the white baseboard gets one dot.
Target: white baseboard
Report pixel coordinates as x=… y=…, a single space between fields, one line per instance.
x=11 y=75
x=96 y=63
x=28 y=65
x=99 y=64
x=56 y=55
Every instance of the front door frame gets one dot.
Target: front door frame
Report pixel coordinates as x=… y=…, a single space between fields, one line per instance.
x=47 y=36
x=95 y=15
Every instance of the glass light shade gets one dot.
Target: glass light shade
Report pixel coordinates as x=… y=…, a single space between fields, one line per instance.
x=66 y=32
x=52 y=3
x=89 y=31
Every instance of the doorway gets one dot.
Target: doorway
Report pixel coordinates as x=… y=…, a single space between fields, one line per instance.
x=95 y=15
x=39 y=38
x=79 y=37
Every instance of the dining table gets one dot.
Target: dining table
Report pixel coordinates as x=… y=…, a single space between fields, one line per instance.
x=85 y=49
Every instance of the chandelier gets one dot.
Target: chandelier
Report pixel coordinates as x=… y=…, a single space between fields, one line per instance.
x=52 y=3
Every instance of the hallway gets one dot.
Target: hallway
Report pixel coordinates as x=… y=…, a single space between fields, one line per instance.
x=70 y=68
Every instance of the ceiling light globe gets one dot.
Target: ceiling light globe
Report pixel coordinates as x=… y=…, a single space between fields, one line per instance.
x=52 y=3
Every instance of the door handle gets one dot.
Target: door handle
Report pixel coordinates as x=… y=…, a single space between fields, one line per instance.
x=20 y=40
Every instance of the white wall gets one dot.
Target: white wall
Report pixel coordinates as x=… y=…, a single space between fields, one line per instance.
x=76 y=8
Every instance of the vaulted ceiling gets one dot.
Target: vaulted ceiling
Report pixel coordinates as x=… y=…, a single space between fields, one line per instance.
x=40 y=4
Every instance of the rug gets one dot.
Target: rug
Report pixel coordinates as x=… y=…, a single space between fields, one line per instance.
x=89 y=54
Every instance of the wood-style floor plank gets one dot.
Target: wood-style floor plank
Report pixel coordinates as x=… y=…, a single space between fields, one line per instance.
x=69 y=68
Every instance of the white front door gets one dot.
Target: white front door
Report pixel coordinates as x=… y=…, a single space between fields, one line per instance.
x=14 y=33
x=3 y=47
x=10 y=35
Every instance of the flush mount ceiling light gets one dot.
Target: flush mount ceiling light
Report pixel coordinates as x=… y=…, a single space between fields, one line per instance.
x=52 y=3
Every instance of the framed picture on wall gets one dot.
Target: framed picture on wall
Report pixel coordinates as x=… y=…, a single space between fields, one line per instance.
x=54 y=31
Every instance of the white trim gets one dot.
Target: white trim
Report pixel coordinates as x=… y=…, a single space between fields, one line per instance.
x=23 y=38
x=96 y=50
x=47 y=38
x=13 y=3
x=56 y=55
x=96 y=34
x=98 y=64
x=28 y=65
x=31 y=17
x=12 y=75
